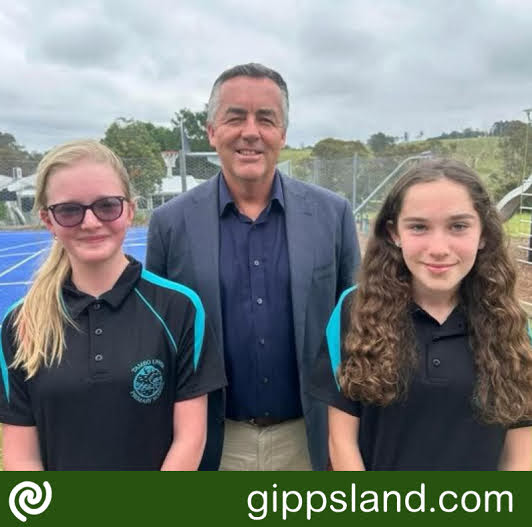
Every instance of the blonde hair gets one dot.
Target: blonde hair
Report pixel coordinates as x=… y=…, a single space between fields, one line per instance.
x=40 y=321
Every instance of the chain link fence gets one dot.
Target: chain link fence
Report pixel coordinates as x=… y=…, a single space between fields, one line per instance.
x=355 y=178
x=364 y=181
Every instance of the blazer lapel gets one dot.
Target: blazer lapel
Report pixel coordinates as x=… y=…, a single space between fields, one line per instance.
x=202 y=222
x=299 y=215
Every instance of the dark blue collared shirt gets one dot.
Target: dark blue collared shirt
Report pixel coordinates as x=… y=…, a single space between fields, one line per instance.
x=259 y=344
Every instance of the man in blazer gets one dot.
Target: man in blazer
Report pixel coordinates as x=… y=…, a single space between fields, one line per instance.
x=269 y=257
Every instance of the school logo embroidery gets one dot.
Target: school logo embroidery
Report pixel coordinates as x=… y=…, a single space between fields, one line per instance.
x=148 y=381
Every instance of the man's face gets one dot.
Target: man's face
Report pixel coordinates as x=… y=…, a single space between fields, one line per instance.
x=248 y=131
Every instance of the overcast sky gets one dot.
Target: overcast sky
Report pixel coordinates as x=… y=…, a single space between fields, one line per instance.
x=353 y=68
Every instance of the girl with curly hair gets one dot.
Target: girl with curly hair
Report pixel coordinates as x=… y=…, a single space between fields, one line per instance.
x=427 y=364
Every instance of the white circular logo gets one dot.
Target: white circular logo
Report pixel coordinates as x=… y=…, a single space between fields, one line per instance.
x=29 y=496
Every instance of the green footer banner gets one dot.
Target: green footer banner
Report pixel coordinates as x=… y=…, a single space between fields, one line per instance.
x=265 y=498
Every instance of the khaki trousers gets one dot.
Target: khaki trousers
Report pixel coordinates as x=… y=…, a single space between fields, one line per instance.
x=276 y=447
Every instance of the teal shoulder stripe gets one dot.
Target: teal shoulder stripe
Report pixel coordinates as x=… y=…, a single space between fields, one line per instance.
x=3 y=363
x=159 y=318
x=333 y=332
x=199 y=320
x=530 y=330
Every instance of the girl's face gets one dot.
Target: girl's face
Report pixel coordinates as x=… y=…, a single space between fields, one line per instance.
x=93 y=241
x=439 y=232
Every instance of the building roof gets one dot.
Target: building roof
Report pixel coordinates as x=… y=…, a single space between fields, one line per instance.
x=172 y=185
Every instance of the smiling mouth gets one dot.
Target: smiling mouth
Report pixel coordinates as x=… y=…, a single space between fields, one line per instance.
x=248 y=152
x=93 y=239
x=438 y=268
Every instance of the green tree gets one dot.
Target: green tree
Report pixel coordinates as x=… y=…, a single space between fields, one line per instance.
x=417 y=147
x=14 y=155
x=166 y=138
x=330 y=148
x=380 y=142
x=195 y=124
x=8 y=140
x=333 y=164
x=512 y=150
x=141 y=154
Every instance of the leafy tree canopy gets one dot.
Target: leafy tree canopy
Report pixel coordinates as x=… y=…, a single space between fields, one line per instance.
x=140 y=152
x=380 y=142
x=513 y=150
x=195 y=124
x=336 y=148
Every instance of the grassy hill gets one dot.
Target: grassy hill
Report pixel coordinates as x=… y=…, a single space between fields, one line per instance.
x=480 y=153
x=294 y=154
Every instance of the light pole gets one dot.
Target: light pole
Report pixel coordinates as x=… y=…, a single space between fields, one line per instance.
x=528 y=111
x=525 y=160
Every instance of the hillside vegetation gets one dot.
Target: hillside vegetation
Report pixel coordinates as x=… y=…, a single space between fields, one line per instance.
x=483 y=154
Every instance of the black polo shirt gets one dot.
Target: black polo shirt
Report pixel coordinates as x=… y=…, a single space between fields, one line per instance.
x=259 y=342
x=138 y=349
x=434 y=427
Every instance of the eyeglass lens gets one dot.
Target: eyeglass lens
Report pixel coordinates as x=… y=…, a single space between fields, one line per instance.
x=71 y=214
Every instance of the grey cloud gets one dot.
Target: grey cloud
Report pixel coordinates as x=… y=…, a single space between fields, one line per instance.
x=77 y=39
x=353 y=67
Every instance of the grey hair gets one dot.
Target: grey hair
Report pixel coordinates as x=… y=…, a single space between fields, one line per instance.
x=256 y=71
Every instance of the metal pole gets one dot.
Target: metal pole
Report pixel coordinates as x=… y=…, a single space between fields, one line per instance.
x=525 y=175
x=315 y=162
x=423 y=155
x=182 y=160
x=355 y=173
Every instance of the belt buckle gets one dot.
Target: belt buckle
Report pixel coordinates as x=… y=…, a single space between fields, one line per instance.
x=262 y=422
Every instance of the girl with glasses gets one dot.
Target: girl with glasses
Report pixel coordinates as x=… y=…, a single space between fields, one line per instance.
x=426 y=363
x=103 y=364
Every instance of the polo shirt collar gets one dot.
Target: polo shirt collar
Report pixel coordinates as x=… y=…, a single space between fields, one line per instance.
x=77 y=301
x=225 y=199
x=455 y=325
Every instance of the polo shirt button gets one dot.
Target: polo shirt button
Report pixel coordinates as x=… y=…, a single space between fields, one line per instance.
x=256 y=263
x=98 y=331
x=265 y=380
x=436 y=362
x=259 y=301
x=98 y=357
x=266 y=414
x=261 y=342
x=97 y=306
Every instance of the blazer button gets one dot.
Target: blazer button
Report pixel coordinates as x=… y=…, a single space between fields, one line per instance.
x=436 y=362
x=98 y=331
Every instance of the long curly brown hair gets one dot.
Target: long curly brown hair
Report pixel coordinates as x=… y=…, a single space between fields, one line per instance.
x=380 y=345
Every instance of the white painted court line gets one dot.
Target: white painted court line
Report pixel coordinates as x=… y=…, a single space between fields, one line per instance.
x=13 y=267
x=3 y=249
x=128 y=239
x=135 y=244
x=14 y=254
x=2 y=284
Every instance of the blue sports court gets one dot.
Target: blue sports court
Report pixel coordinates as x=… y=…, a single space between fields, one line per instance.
x=21 y=253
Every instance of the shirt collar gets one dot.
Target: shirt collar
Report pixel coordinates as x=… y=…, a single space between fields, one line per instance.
x=225 y=199
x=77 y=301
x=456 y=323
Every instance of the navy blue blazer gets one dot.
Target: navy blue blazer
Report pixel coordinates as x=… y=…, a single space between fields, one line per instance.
x=183 y=246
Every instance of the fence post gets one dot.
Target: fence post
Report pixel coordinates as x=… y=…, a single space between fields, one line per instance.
x=315 y=171
x=355 y=173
